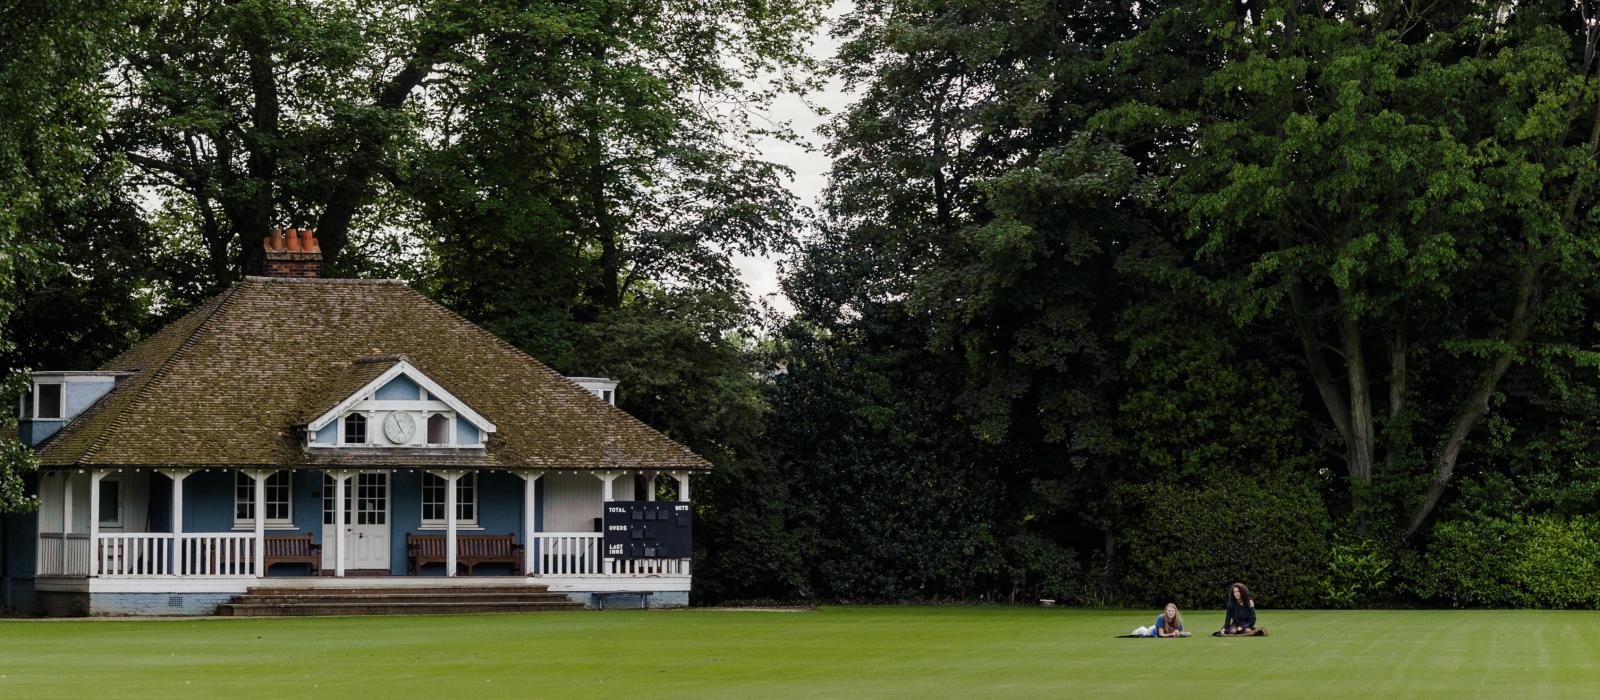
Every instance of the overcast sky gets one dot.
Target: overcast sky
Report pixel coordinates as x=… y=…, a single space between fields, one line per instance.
x=810 y=165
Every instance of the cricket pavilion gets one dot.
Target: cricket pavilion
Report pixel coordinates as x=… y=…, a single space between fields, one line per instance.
x=300 y=445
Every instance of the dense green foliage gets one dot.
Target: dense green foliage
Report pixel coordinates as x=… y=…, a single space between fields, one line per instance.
x=919 y=651
x=1106 y=303
x=1516 y=561
x=1335 y=258
x=1189 y=545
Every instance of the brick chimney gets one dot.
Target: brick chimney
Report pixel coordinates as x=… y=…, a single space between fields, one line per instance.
x=292 y=253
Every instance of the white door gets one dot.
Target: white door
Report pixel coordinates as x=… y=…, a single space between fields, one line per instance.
x=366 y=522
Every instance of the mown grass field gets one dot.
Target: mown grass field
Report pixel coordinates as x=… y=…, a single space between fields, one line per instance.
x=910 y=652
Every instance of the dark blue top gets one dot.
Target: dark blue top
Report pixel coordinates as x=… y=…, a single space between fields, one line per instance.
x=1241 y=615
x=1161 y=624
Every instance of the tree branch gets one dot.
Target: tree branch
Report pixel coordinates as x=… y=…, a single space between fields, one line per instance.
x=1321 y=375
x=351 y=191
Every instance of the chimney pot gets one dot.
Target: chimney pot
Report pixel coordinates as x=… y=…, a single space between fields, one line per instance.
x=292 y=252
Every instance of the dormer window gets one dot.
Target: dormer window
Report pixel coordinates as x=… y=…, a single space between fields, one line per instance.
x=47 y=402
x=355 y=429
x=603 y=388
x=438 y=429
x=400 y=408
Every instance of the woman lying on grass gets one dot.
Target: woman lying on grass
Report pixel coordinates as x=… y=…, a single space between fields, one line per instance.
x=1170 y=623
x=1240 y=618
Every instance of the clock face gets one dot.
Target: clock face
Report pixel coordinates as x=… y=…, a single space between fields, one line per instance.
x=399 y=427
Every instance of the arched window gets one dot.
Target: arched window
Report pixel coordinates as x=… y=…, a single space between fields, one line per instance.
x=355 y=429
x=438 y=429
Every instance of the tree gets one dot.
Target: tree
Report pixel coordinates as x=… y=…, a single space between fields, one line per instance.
x=245 y=114
x=1400 y=186
x=51 y=179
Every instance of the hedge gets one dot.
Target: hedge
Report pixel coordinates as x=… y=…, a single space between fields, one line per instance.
x=1541 y=561
x=1272 y=534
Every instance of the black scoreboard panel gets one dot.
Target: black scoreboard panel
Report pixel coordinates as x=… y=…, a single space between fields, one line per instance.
x=648 y=530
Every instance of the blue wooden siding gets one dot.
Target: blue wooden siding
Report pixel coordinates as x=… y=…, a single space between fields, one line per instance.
x=405 y=515
x=208 y=502
x=466 y=433
x=499 y=513
x=208 y=507
x=82 y=395
x=33 y=432
x=19 y=537
x=328 y=434
x=22 y=543
x=400 y=388
x=79 y=397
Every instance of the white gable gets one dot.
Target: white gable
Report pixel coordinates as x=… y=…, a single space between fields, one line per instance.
x=435 y=397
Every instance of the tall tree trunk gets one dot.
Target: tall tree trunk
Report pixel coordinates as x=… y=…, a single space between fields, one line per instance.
x=1362 y=445
x=261 y=144
x=1353 y=418
x=599 y=205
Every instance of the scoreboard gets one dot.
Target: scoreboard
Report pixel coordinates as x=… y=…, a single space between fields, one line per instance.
x=648 y=530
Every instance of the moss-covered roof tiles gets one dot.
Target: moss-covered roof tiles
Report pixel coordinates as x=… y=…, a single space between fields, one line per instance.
x=229 y=383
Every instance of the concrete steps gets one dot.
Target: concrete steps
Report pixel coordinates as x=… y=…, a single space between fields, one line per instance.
x=447 y=600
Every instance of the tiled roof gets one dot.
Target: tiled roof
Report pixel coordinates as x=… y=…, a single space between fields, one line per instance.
x=229 y=383
x=343 y=379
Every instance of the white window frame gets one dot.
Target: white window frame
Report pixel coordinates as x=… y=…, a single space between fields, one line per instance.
x=61 y=408
x=122 y=496
x=449 y=429
x=271 y=523
x=461 y=523
x=366 y=421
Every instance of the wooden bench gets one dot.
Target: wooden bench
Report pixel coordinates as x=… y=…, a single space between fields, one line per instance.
x=293 y=549
x=471 y=550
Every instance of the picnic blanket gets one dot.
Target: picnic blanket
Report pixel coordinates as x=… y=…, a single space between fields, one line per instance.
x=1258 y=632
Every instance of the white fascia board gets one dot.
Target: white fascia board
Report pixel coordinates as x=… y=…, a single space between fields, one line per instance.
x=416 y=375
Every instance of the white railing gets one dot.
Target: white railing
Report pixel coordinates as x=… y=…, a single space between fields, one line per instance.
x=135 y=554
x=150 y=554
x=58 y=560
x=566 y=554
x=217 y=554
x=144 y=554
x=580 y=554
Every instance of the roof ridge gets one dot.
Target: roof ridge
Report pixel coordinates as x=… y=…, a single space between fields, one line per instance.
x=378 y=359
x=525 y=356
x=328 y=280
x=160 y=370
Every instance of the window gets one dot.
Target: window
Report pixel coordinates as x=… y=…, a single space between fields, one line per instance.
x=355 y=429
x=609 y=397
x=277 y=499
x=366 y=499
x=111 y=501
x=49 y=398
x=438 y=429
x=433 y=513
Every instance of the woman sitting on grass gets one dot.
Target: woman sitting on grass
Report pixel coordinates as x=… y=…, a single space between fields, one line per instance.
x=1240 y=618
x=1170 y=623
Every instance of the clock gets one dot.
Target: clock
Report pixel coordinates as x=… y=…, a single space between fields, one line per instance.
x=399 y=427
